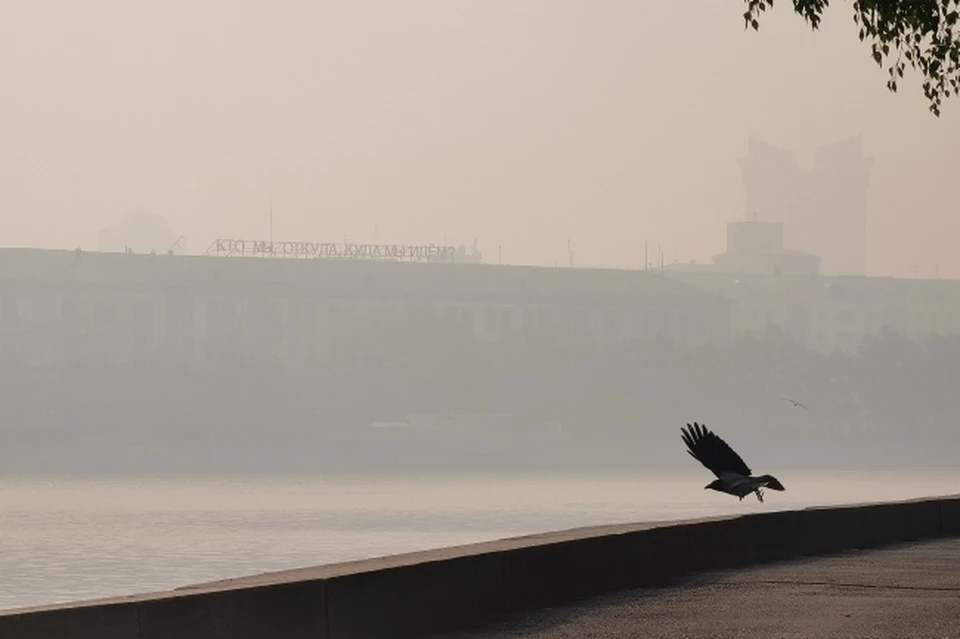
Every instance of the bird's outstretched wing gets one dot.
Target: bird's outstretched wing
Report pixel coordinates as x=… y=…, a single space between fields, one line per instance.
x=711 y=451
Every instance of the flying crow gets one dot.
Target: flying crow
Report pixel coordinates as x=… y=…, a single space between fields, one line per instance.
x=733 y=476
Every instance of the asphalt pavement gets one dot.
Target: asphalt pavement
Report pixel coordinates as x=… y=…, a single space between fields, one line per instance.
x=900 y=592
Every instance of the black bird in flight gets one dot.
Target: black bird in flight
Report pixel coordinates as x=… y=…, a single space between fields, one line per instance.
x=733 y=475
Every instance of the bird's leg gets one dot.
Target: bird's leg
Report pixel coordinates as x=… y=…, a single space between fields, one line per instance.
x=759 y=494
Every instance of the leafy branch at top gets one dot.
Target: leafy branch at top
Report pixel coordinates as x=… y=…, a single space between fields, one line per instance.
x=920 y=33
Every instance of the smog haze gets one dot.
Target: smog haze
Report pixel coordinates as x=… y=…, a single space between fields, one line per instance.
x=521 y=124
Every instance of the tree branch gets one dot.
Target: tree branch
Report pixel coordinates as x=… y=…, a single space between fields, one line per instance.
x=920 y=33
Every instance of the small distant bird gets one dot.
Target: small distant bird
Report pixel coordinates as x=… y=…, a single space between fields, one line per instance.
x=733 y=475
x=795 y=403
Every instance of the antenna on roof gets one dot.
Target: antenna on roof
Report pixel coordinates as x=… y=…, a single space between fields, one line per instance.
x=271 y=222
x=175 y=245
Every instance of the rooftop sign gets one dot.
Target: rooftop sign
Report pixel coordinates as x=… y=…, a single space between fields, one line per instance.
x=329 y=250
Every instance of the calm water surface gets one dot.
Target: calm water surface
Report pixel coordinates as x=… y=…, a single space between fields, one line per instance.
x=68 y=539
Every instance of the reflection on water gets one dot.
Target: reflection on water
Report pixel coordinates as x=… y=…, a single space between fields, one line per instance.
x=68 y=539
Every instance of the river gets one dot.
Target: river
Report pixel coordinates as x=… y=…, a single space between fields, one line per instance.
x=64 y=539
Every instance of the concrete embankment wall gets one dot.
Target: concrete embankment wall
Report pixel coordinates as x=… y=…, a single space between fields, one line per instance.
x=416 y=594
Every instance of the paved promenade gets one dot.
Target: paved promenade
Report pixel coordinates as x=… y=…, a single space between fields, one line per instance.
x=902 y=592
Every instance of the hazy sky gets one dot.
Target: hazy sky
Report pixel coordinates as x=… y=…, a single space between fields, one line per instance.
x=520 y=122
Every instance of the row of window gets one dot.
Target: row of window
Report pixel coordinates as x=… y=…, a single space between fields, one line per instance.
x=848 y=318
x=180 y=316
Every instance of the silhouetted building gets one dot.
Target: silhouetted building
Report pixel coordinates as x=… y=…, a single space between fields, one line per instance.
x=823 y=208
x=60 y=304
x=757 y=247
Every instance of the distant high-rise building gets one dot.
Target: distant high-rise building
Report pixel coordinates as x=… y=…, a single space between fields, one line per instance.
x=824 y=208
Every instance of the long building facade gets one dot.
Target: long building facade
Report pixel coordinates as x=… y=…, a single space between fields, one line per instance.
x=774 y=287
x=58 y=305
x=827 y=313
